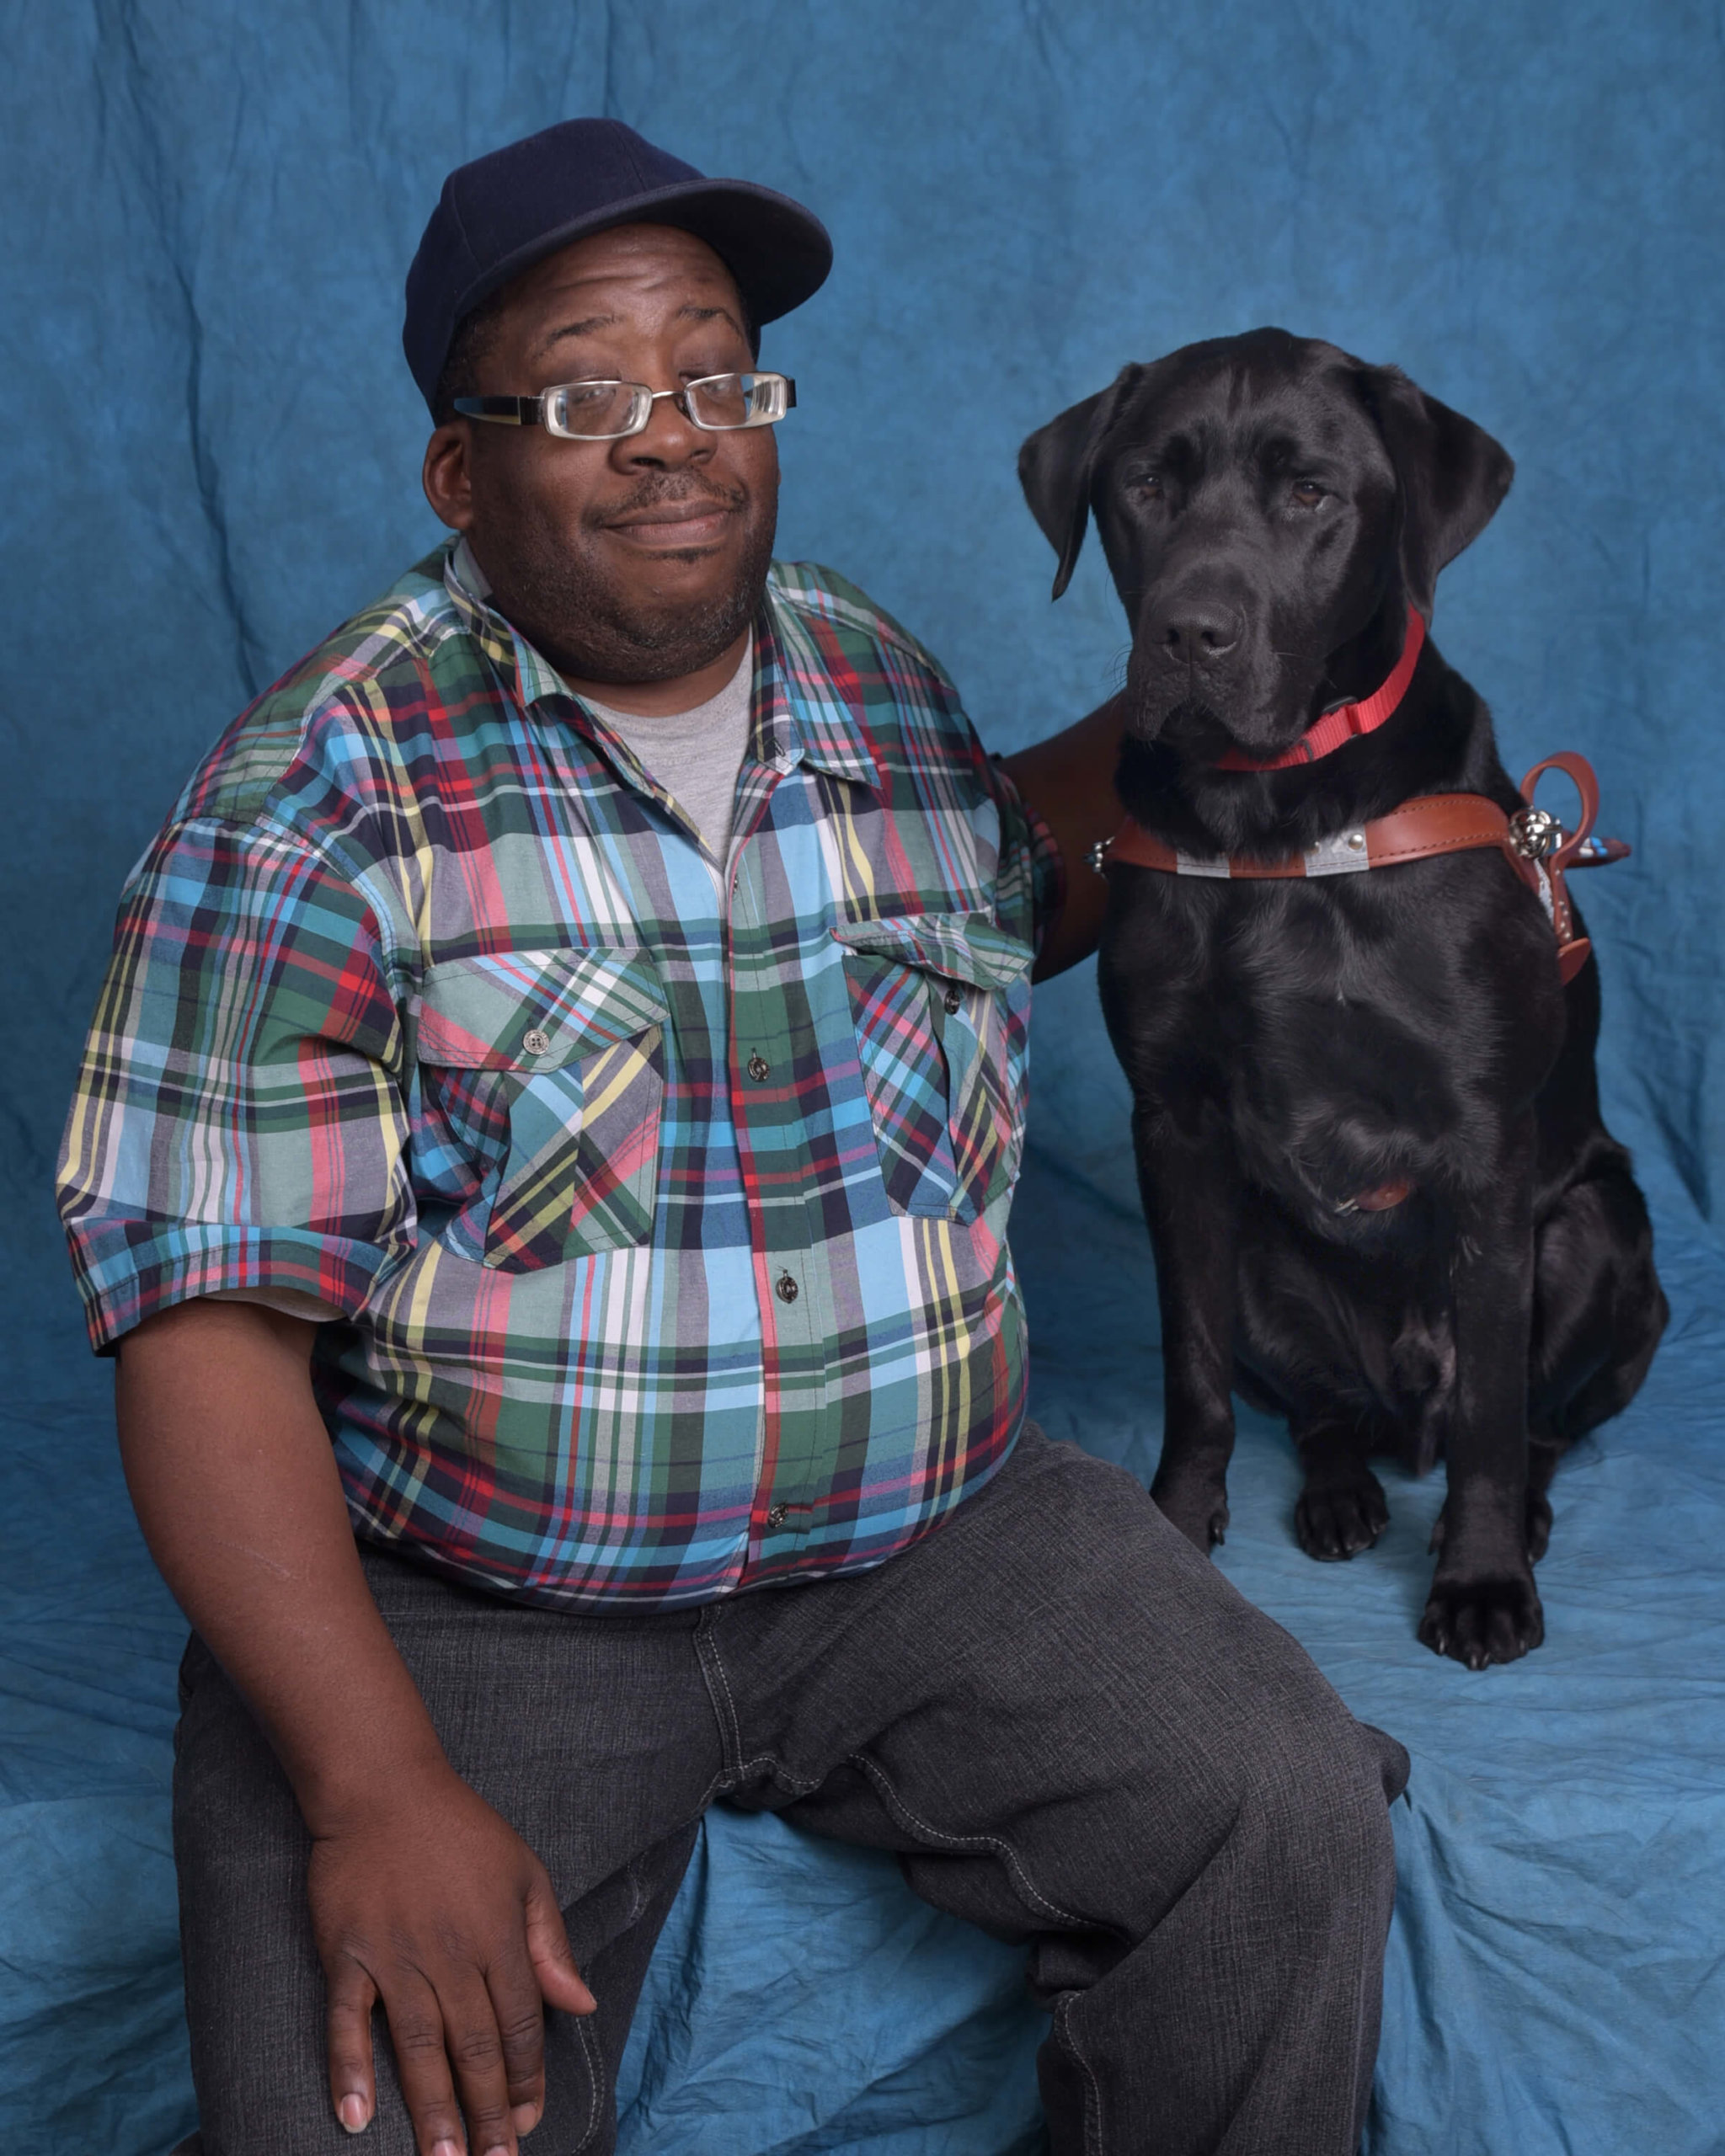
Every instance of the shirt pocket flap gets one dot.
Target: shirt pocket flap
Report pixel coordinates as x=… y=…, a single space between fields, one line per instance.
x=961 y=947
x=535 y=1010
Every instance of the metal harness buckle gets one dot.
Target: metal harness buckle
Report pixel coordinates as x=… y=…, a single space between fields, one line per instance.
x=1535 y=833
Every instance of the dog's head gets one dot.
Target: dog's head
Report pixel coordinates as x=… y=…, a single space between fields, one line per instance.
x=1269 y=507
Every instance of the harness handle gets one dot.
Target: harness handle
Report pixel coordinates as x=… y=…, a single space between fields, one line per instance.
x=1530 y=825
x=1580 y=774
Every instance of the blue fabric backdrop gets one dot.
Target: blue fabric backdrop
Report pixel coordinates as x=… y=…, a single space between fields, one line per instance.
x=210 y=454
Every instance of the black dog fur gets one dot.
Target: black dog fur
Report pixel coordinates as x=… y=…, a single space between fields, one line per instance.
x=1269 y=506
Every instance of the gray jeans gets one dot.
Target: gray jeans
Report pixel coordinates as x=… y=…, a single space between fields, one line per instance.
x=1068 y=1725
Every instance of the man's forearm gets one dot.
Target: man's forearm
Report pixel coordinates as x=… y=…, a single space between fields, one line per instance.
x=1069 y=780
x=421 y=1899
x=230 y=1470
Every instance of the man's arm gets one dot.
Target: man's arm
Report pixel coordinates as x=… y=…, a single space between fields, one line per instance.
x=1069 y=780
x=421 y=1895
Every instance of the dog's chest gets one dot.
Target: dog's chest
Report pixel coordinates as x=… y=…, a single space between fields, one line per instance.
x=1340 y=1040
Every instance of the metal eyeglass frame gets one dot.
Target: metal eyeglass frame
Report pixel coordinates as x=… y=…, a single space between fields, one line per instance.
x=770 y=396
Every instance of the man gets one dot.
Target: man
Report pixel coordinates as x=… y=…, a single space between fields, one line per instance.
x=543 y=1155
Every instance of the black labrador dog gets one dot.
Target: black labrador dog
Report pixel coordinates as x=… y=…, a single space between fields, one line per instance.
x=1382 y=1198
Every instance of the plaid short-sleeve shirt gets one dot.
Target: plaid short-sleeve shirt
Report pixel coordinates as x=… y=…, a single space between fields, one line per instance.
x=658 y=1203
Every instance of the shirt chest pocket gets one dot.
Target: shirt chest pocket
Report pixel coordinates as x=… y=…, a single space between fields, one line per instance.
x=543 y=1071
x=941 y=1002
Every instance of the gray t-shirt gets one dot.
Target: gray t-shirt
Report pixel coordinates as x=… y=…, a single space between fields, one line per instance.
x=695 y=755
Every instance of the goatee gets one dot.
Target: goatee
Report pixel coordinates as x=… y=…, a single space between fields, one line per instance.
x=587 y=624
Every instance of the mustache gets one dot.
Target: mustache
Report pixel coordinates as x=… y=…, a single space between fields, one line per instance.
x=655 y=492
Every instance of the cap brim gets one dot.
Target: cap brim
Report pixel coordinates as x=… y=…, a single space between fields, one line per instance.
x=778 y=251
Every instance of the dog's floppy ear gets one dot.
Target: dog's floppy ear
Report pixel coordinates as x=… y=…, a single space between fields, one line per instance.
x=1452 y=477
x=1056 y=466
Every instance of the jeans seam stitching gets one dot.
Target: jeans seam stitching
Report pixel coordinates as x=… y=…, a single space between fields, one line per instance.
x=797 y=1785
x=711 y=1666
x=1001 y=1847
x=639 y=1893
x=596 y=2078
x=1092 y=2092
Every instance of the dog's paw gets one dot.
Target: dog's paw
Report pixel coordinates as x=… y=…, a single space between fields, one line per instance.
x=1482 y=1622
x=1199 y=1508
x=1339 y=1518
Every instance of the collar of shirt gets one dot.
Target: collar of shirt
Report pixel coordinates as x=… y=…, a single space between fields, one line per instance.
x=801 y=715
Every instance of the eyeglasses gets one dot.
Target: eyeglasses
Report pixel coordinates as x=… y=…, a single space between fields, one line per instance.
x=607 y=411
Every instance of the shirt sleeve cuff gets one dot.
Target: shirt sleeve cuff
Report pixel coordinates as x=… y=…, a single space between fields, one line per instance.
x=129 y=1270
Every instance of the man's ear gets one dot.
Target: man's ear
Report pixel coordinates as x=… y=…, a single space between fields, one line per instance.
x=446 y=475
x=1057 y=464
x=1451 y=476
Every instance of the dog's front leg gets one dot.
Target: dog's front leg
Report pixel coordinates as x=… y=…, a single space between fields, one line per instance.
x=1190 y=1184
x=1484 y=1606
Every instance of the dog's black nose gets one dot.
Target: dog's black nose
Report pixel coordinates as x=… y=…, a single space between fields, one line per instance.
x=1195 y=631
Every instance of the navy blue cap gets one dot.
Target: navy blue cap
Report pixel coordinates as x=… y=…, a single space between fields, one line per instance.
x=502 y=213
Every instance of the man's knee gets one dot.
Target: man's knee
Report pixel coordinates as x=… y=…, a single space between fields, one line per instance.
x=1315 y=1815
x=1274 y=1805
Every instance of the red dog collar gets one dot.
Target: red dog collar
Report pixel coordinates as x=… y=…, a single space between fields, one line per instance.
x=1346 y=720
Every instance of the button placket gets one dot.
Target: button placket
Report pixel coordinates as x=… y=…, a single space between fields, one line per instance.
x=772 y=1140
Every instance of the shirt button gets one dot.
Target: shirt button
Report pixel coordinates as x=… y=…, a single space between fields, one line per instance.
x=758 y=1067
x=952 y=999
x=776 y=1518
x=535 y=1042
x=786 y=1288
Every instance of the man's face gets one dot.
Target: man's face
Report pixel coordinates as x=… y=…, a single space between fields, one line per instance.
x=639 y=560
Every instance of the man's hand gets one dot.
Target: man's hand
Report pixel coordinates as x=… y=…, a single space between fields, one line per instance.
x=422 y=1897
x=435 y=1908
x=1069 y=780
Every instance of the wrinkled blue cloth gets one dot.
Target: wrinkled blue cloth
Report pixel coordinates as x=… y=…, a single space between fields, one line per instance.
x=210 y=456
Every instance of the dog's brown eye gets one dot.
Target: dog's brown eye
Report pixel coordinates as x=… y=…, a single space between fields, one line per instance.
x=1308 y=493
x=1149 y=485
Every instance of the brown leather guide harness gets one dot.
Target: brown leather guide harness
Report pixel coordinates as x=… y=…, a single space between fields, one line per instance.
x=1533 y=842
x=1531 y=839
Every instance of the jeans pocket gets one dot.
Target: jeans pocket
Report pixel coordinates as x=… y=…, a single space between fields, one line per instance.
x=543 y=1072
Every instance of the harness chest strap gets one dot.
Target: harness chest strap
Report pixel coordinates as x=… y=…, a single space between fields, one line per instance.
x=1532 y=842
